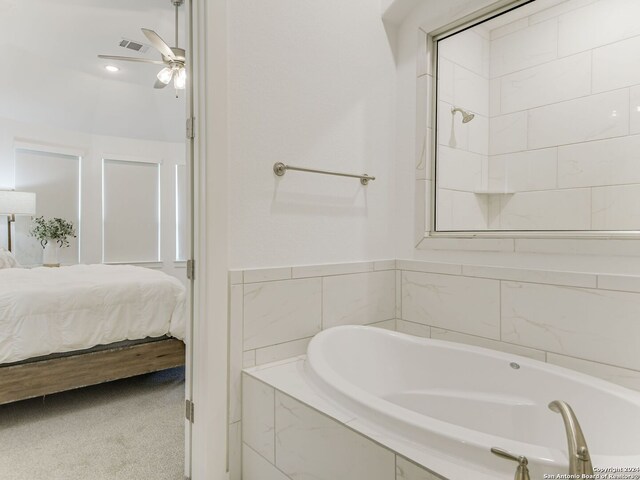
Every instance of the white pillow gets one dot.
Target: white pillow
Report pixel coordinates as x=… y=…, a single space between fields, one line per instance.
x=7 y=260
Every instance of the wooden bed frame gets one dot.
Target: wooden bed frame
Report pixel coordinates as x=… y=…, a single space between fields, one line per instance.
x=51 y=375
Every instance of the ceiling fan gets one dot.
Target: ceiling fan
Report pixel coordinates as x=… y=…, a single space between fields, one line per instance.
x=173 y=58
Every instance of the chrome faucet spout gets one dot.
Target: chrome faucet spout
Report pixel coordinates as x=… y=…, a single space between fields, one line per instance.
x=579 y=458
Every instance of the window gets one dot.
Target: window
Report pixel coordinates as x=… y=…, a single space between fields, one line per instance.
x=538 y=121
x=130 y=211
x=55 y=179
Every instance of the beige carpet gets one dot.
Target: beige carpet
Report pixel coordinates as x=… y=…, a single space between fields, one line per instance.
x=129 y=429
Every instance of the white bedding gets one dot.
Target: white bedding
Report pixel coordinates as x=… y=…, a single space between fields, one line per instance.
x=55 y=310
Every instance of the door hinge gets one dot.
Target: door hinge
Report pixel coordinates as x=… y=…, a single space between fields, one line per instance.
x=191 y=269
x=189 y=410
x=190 y=127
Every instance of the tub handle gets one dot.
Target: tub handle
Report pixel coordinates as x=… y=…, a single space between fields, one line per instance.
x=522 y=472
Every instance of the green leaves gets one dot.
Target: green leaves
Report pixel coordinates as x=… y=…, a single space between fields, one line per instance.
x=56 y=229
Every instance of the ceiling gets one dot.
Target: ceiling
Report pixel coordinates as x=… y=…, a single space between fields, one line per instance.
x=52 y=47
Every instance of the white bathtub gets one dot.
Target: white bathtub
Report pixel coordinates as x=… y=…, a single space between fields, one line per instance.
x=458 y=401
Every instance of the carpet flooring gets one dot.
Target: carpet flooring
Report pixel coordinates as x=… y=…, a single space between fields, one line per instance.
x=130 y=429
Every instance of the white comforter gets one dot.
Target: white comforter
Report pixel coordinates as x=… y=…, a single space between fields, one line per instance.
x=53 y=310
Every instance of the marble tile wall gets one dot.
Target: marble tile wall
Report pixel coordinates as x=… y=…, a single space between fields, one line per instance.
x=292 y=441
x=565 y=118
x=581 y=321
x=275 y=312
x=586 y=322
x=463 y=149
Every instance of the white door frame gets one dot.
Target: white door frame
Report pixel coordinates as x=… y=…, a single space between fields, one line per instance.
x=207 y=380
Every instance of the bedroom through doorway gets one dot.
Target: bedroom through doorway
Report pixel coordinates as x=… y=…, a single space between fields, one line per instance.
x=95 y=237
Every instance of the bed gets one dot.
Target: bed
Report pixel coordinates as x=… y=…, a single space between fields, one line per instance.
x=67 y=327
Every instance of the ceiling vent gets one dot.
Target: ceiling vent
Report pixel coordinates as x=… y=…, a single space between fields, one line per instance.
x=136 y=46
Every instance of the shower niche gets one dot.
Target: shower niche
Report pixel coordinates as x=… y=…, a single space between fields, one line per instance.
x=537 y=120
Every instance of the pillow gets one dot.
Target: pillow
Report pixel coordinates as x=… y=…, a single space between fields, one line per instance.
x=7 y=260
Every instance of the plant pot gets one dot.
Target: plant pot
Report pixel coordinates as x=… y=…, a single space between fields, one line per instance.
x=50 y=254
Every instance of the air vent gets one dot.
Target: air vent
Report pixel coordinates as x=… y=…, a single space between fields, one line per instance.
x=136 y=46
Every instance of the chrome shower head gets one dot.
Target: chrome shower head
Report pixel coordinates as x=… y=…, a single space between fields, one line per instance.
x=466 y=116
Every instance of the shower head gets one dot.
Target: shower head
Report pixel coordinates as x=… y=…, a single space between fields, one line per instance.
x=466 y=116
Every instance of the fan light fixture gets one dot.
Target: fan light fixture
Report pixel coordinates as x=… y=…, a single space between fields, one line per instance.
x=173 y=58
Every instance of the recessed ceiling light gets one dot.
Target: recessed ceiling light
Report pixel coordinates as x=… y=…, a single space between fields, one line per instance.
x=112 y=68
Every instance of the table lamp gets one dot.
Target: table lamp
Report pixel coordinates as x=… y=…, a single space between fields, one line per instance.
x=14 y=203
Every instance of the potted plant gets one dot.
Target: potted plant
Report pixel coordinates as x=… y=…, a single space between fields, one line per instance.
x=52 y=234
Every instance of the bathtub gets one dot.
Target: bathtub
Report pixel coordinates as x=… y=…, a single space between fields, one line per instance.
x=458 y=401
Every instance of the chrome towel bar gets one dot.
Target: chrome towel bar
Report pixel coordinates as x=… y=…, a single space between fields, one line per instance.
x=280 y=169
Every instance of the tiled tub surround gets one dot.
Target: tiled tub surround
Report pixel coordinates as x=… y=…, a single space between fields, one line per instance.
x=292 y=433
x=582 y=321
x=557 y=101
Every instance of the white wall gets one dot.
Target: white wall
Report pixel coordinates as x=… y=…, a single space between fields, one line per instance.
x=310 y=84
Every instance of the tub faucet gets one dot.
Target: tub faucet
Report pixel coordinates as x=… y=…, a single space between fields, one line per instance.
x=522 y=472
x=579 y=458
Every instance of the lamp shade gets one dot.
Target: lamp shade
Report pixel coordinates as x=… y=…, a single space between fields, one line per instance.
x=17 y=203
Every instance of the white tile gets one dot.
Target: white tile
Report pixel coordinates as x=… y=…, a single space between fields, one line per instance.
x=509 y=28
x=573 y=279
x=412 y=328
x=530 y=210
x=430 y=267
x=616 y=65
x=255 y=467
x=508 y=133
x=580 y=247
x=624 y=283
x=523 y=171
x=459 y=170
x=494 y=97
x=407 y=470
x=634 y=109
x=290 y=377
x=446 y=79
x=385 y=325
x=313 y=446
x=331 y=269
x=597 y=24
x=258 y=421
x=358 y=299
x=235 y=276
x=595 y=117
x=621 y=376
x=449 y=336
x=593 y=324
x=458 y=210
x=235 y=451
x=525 y=48
x=281 y=351
x=552 y=82
x=248 y=358
x=616 y=208
x=556 y=9
x=267 y=274
x=477 y=133
x=613 y=161
x=379 y=265
x=278 y=312
x=470 y=305
x=470 y=90
x=235 y=352
x=465 y=244
x=467 y=49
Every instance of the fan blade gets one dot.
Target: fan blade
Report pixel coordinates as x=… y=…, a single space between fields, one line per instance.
x=131 y=59
x=159 y=84
x=159 y=43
